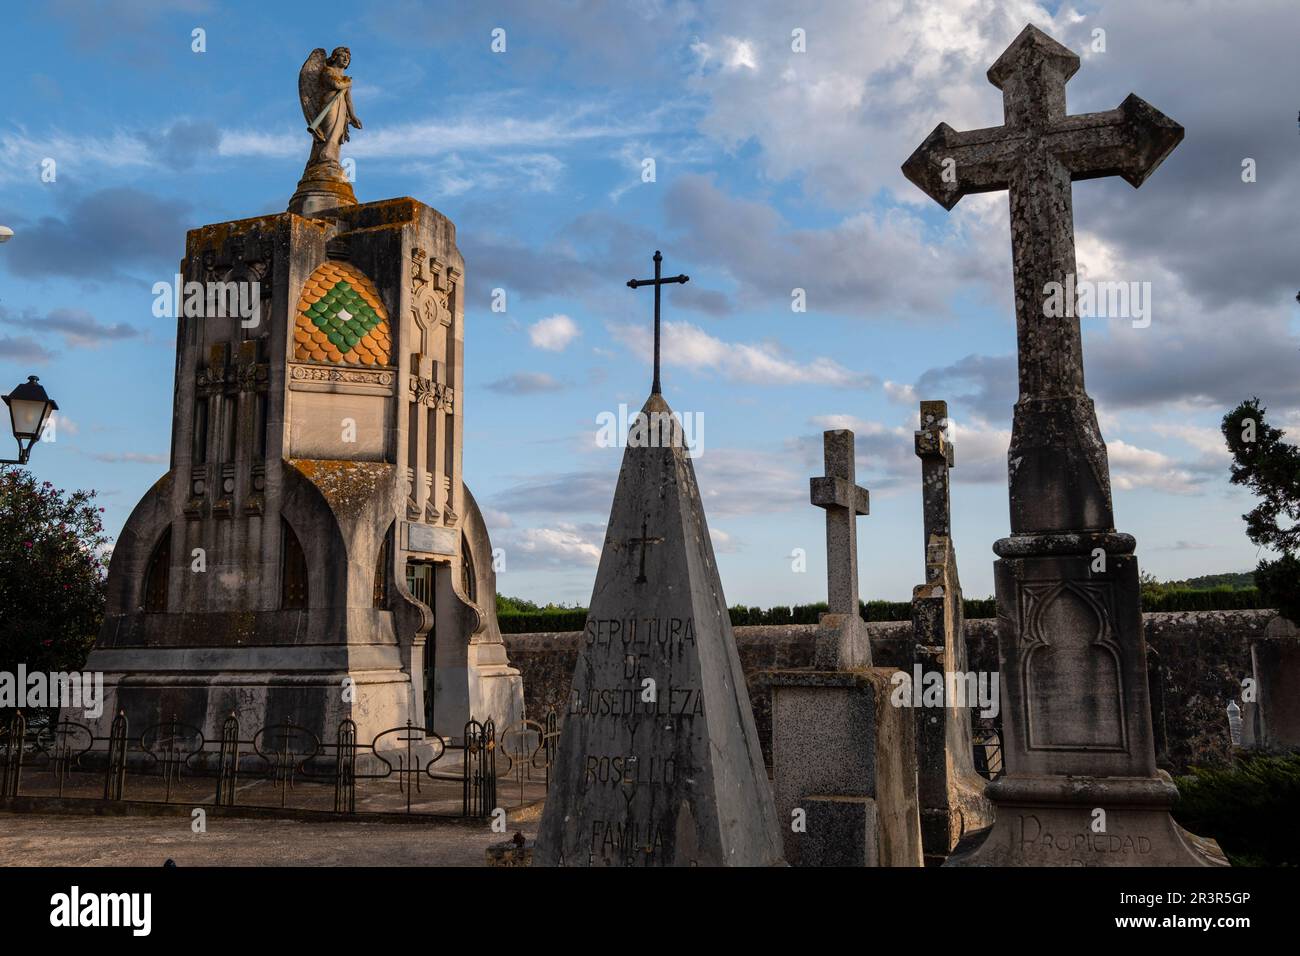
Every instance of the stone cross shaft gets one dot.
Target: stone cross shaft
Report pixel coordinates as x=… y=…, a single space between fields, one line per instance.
x=1035 y=155
x=936 y=454
x=658 y=282
x=843 y=500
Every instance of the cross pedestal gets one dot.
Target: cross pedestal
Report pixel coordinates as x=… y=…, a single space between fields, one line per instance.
x=1076 y=719
x=842 y=754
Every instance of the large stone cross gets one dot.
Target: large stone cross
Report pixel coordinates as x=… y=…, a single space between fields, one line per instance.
x=1059 y=475
x=843 y=500
x=1076 y=713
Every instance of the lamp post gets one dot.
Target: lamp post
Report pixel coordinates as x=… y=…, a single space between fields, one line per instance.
x=6 y=233
x=29 y=410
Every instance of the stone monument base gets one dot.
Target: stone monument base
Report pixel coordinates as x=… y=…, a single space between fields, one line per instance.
x=1049 y=821
x=951 y=791
x=201 y=700
x=841 y=643
x=843 y=754
x=968 y=810
x=323 y=186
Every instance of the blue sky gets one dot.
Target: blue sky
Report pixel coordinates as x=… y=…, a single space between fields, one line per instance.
x=774 y=170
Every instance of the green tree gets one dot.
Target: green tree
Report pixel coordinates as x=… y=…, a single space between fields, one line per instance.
x=1151 y=585
x=52 y=570
x=1270 y=468
x=514 y=605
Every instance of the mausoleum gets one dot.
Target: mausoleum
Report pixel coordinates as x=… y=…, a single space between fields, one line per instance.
x=313 y=551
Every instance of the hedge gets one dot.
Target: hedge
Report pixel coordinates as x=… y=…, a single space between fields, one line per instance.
x=1249 y=808
x=575 y=618
x=1219 y=599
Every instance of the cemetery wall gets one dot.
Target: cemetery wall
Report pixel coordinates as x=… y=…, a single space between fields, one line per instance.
x=1196 y=661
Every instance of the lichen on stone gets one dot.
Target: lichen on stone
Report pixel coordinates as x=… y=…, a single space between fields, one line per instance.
x=348 y=486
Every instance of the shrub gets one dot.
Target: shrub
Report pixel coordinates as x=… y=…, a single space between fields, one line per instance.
x=1248 y=807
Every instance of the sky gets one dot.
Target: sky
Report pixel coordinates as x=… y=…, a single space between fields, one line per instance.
x=775 y=169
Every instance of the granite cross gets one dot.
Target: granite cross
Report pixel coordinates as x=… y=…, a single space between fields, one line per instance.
x=1059 y=475
x=643 y=541
x=936 y=454
x=658 y=282
x=843 y=501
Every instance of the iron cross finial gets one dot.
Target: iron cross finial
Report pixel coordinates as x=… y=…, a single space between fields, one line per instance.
x=658 y=281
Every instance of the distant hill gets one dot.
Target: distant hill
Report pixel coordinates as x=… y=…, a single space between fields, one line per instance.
x=1233 y=581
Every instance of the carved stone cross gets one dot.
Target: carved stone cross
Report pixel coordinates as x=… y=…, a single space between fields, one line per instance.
x=936 y=454
x=1059 y=474
x=643 y=540
x=1076 y=728
x=843 y=501
x=658 y=282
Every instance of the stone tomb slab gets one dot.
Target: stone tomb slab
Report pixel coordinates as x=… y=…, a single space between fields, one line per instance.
x=859 y=801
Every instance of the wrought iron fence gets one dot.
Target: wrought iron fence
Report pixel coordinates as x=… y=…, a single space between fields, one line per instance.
x=282 y=765
x=988 y=752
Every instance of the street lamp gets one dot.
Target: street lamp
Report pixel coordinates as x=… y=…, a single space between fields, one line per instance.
x=6 y=233
x=29 y=409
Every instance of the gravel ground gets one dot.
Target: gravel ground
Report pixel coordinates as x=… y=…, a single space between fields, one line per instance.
x=28 y=839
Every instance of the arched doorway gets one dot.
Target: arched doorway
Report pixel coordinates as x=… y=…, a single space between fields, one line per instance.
x=419 y=581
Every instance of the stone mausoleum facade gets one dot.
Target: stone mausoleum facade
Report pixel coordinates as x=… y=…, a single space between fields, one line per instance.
x=313 y=552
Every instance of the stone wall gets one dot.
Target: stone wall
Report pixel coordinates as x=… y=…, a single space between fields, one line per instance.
x=1196 y=661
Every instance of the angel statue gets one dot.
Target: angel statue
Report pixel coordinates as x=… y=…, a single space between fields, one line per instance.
x=327 y=102
x=326 y=95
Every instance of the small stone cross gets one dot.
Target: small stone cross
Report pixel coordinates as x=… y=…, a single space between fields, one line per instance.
x=843 y=501
x=936 y=454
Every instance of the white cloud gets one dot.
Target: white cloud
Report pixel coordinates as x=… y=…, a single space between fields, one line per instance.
x=488 y=124
x=508 y=137
x=762 y=363
x=876 y=78
x=454 y=175
x=565 y=546
x=728 y=54
x=1208 y=441
x=526 y=383
x=840 y=421
x=63 y=425
x=1132 y=467
x=736 y=481
x=886 y=454
x=900 y=394
x=723 y=542
x=553 y=333
x=21 y=154
x=737 y=54
x=868 y=264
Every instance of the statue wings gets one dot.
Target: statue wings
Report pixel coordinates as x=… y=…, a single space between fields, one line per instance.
x=310 y=91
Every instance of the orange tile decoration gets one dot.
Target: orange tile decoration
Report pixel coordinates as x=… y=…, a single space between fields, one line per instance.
x=341 y=319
